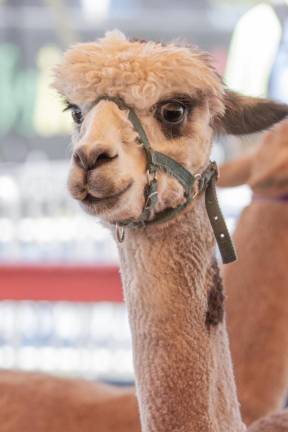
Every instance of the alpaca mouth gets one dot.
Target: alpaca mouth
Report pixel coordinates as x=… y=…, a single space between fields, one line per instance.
x=106 y=202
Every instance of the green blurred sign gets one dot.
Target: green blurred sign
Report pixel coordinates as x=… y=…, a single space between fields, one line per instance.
x=28 y=105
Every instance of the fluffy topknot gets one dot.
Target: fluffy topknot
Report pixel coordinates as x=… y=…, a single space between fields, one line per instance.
x=139 y=72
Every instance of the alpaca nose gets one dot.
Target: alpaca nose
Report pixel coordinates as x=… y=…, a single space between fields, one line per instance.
x=89 y=160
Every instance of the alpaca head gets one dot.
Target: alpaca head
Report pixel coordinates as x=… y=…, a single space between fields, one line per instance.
x=180 y=101
x=265 y=169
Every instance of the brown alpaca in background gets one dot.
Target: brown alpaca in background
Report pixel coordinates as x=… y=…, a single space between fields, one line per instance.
x=257 y=284
x=34 y=402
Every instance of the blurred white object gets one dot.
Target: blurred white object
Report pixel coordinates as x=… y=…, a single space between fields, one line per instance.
x=252 y=52
x=96 y=10
x=75 y=339
x=39 y=222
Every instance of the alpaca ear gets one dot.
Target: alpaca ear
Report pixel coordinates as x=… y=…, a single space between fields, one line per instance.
x=246 y=115
x=236 y=172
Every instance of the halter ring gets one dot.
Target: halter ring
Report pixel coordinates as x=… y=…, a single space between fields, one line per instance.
x=198 y=189
x=151 y=177
x=149 y=199
x=120 y=233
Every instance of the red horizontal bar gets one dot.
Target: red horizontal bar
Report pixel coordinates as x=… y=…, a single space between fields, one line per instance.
x=56 y=283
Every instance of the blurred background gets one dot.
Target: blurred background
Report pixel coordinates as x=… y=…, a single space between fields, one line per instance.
x=61 y=305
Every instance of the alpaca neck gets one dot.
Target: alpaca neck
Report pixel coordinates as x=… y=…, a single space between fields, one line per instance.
x=182 y=362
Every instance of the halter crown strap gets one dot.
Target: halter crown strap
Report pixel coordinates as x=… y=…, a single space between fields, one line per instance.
x=206 y=183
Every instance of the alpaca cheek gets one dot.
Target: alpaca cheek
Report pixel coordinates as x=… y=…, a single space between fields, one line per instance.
x=170 y=193
x=133 y=205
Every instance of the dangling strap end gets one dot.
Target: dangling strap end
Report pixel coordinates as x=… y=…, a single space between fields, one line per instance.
x=229 y=259
x=217 y=221
x=226 y=248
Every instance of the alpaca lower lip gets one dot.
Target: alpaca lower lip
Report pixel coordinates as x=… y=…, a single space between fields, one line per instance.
x=90 y=199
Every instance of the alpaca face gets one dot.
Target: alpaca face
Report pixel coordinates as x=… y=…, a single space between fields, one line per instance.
x=108 y=169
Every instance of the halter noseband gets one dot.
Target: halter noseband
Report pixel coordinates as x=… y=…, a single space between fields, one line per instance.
x=205 y=183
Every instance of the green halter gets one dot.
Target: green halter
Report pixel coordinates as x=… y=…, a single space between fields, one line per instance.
x=204 y=182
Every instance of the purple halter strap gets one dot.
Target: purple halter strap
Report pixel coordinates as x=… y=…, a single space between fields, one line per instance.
x=281 y=198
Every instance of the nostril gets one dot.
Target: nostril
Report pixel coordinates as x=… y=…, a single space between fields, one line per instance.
x=80 y=159
x=76 y=159
x=102 y=159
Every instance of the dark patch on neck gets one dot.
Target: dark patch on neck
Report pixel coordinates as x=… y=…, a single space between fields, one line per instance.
x=215 y=311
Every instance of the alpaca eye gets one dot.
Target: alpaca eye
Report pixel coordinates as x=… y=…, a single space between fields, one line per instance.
x=172 y=113
x=77 y=114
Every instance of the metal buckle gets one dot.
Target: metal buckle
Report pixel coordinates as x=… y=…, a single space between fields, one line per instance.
x=151 y=176
x=198 y=189
x=148 y=199
x=216 y=170
x=120 y=233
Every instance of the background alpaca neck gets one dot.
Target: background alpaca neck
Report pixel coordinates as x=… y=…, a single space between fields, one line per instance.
x=182 y=363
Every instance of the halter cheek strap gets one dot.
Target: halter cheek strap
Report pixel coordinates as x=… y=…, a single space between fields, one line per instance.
x=204 y=182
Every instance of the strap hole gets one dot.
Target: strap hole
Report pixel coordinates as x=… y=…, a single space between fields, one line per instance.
x=222 y=235
x=216 y=218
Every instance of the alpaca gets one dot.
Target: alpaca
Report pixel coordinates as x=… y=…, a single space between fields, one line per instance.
x=257 y=311
x=31 y=402
x=172 y=287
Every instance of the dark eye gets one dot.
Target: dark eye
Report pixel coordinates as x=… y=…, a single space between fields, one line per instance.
x=172 y=113
x=76 y=114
